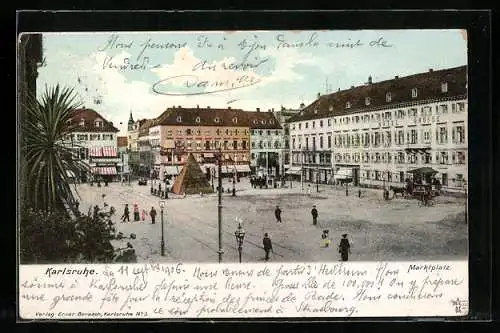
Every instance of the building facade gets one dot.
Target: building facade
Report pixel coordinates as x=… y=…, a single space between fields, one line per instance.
x=203 y=132
x=382 y=131
x=133 y=143
x=94 y=141
x=266 y=143
x=123 y=154
x=283 y=115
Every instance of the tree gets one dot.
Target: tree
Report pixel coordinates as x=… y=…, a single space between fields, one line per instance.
x=47 y=153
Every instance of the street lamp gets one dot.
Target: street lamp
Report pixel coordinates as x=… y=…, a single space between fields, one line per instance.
x=219 y=204
x=466 y=201
x=162 y=205
x=234 y=182
x=240 y=235
x=317 y=179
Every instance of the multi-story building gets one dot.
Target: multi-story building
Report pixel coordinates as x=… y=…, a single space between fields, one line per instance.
x=123 y=155
x=203 y=132
x=146 y=154
x=133 y=143
x=266 y=140
x=383 y=131
x=94 y=141
x=311 y=143
x=283 y=115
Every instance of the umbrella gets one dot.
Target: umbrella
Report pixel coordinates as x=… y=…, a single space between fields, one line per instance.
x=424 y=170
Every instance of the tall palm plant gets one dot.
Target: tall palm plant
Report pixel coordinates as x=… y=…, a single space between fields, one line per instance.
x=48 y=155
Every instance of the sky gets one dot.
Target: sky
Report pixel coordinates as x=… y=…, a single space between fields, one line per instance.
x=145 y=73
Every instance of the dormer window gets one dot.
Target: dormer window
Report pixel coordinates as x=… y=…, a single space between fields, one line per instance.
x=179 y=119
x=235 y=120
x=367 y=100
x=263 y=122
x=98 y=123
x=197 y=120
x=271 y=122
x=388 y=97
x=217 y=120
x=444 y=87
x=348 y=105
x=315 y=111
x=330 y=108
x=414 y=93
x=255 y=121
x=82 y=122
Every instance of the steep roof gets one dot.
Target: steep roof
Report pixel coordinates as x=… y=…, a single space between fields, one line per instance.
x=90 y=116
x=144 y=129
x=203 y=117
x=262 y=120
x=428 y=87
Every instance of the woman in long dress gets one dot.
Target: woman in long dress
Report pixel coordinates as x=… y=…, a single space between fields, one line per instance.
x=344 y=248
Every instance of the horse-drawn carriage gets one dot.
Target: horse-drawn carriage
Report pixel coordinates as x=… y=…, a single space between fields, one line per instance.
x=424 y=192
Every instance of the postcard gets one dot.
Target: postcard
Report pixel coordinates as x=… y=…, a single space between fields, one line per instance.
x=243 y=174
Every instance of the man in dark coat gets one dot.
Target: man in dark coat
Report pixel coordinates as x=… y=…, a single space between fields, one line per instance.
x=126 y=214
x=277 y=213
x=152 y=213
x=344 y=248
x=314 y=213
x=268 y=246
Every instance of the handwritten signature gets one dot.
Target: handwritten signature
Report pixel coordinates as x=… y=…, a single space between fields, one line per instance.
x=197 y=86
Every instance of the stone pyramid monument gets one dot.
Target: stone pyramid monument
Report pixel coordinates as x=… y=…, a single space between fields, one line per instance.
x=191 y=180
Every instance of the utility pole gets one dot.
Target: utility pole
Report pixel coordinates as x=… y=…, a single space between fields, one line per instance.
x=219 y=206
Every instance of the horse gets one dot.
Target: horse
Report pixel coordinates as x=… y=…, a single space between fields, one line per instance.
x=397 y=190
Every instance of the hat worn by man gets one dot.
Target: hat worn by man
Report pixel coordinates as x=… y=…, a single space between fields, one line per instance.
x=344 y=235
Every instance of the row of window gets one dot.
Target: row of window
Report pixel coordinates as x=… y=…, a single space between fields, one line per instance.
x=268 y=132
x=211 y=145
x=266 y=144
x=412 y=112
x=322 y=158
x=444 y=157
x=386 y=138
x=208 y=132
x=87 y=137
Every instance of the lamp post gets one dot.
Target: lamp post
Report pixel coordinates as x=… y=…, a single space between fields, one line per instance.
x=240 y=235
x=219 y=205
x=162 y=205
x=317 y=179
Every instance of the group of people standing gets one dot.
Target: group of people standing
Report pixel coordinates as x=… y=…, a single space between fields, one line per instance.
x=138 y=215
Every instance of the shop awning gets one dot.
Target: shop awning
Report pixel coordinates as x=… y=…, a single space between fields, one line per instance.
x=70 y=174
x=294 y=171
x=172 y=170
x=424 y=171
x=104 y=171
x=343 y=173
x=242 y=168
x=102 y=151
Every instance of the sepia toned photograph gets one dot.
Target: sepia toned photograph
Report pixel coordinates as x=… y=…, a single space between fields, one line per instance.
x=243 y=146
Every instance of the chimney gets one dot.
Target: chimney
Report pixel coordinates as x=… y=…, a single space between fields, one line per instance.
x=302 y=105
x=318 y=96
x=431 y=70
x=282 y=108
x=208 y=107
x=197 y=106
x=258 y=109
x=370 y=79
x=352 y=87
x=272 y=109
x=396 y=77
x=229 y=108
x=338 y=89
x=179 y=106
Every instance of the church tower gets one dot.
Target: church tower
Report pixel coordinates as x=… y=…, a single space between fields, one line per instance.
x=130 y=122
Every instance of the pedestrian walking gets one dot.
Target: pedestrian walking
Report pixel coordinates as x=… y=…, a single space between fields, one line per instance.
x=136 y=213
x=344 y=248
x=277 y=213
x=143 y=215
x=314 y=213
x=268 y=246
x=152 y=213
x=126 y=214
